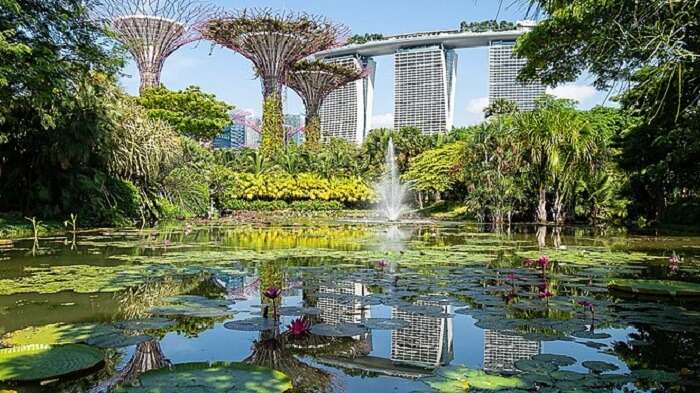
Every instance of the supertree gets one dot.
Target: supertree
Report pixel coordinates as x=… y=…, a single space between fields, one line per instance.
x=314 y=81
x=153 y=29
x=274 y=42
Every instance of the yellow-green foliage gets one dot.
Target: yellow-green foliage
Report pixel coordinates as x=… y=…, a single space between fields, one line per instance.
x=229 y=186
x=272 y=126
x=312 y=132
x=436 y=169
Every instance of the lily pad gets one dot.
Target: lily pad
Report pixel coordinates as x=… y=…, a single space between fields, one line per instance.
x=56 y=333
x=252 y=324
x=144 y=324
x=339 y=330
x=598 y=366
x=559 y=360
x=590 y=335
x=191 y=310
x=535 y=366
x=215 y=377
x=460 y=379
x=291 y=311
x=385 y=323
x=657 y=287
x=37 y=362
x=116 y=340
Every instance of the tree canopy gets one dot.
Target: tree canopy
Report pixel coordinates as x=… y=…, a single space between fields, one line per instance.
x=191 y=112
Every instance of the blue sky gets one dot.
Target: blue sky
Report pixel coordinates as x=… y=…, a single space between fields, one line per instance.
x=230 y=76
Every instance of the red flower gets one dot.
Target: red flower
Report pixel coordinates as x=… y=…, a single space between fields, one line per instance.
x=272 y=293
x=299 y=327
x=382 y=264
x=543 y=262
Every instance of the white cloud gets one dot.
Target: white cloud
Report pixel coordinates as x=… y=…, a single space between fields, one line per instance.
x=573 y=91
x=383 y=120
x=477 y=105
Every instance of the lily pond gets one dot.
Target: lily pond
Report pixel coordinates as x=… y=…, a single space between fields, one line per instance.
x=334 y=306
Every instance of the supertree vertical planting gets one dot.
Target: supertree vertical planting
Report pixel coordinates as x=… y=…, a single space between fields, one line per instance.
x=274 y=42
x=153 y=29
x=314 y=81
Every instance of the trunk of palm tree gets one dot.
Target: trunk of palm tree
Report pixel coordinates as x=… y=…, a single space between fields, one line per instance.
x=541 y=213
x=559 y=215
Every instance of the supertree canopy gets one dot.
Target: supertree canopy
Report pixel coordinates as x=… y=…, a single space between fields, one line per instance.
x=274 y=42
x=153 y=29
x=314 y=81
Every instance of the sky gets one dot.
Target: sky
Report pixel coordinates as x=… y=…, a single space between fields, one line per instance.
x=230 y=76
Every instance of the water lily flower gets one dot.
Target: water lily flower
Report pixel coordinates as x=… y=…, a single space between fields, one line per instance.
x=382 y=263
x=528 y=262
x=272 y=293
x=543 y=262
x=586 y=304
x=299 y=327
x=674 y=262
x=546 y=294
x=511 y=277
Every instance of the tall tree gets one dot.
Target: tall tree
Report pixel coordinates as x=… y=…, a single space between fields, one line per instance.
x=192 y=112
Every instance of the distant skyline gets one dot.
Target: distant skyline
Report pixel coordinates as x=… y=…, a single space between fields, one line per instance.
x=231 y=77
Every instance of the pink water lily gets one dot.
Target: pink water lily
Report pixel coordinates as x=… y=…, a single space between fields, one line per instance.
x=299 y=327
x=586 y=304
x=382 y=263
x=543 y=262
x=546 y=294
x=674 y=263
x=272 y=293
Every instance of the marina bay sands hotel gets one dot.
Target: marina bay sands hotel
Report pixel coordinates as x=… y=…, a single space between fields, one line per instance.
x=425 y=77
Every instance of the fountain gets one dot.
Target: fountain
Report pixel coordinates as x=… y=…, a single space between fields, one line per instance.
x=390 y=189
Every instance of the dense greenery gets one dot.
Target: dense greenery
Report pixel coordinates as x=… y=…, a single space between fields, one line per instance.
x=652 y=45
x=365 y=38
x=191 y=112
x=487 y=25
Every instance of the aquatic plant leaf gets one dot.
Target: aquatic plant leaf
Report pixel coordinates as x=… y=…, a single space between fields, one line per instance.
x=252 y=324
x=385 y=323
x=598 y=366
x=116 y=340
x=659 y=376
x=214 y=377
x=197 y=301
x=656 y=287
x=339 y=330
x=56 y=333
x=291 y=311
x=191 y=310
x=559 y=360
x=145 y=324
x=590 y=335
x=459 y=378
x=37 y=362
x=535 y=366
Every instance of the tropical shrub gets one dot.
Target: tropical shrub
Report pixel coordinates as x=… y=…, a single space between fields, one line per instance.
x=229 y=186
x=187 y=190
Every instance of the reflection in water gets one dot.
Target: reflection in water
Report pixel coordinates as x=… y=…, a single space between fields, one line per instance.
x=147 y=356
x=502 y=350
x=426 y=342
x=341 y=303
x=394 y=238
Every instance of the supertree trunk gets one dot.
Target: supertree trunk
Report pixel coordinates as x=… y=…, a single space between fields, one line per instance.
x=272 y=118
x=312 y=130
x=150 y=77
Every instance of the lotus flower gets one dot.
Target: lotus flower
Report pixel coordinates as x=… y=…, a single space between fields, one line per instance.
x=272 y=293
x=299 y=327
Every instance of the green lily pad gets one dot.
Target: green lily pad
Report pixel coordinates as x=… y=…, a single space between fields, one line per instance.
x=590 y=335
x=559 y=360
x=37 y=362
x=56 y=333
x=145 y=324
x=191 y=310
x=291 y=311
x=659 y=376
x=535 y=366
x=460 y=379
x=215 y=377
x=116 y=340
x=339 y=330
x=657 y=287
x=385 y=323
x=252 y=324
x=598 y=366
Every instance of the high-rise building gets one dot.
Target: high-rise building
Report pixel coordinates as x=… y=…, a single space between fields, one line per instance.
x=426 y=341
x=503 y=349
x=293 y=124
x=504 y=67
x=424 y=86
x=347 y=112
x=233 y=136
